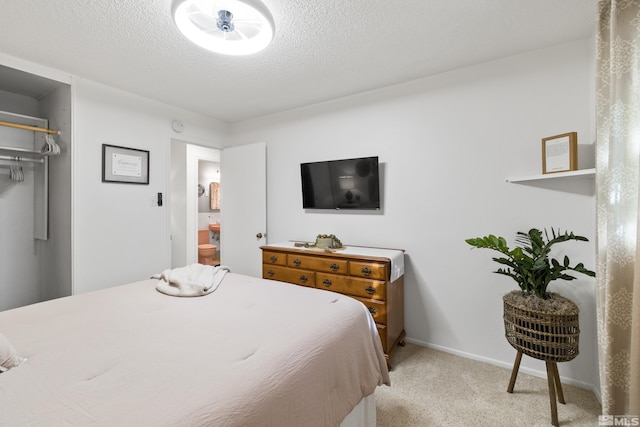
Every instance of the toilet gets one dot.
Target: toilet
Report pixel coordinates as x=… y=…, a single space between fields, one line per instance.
x=206 y=251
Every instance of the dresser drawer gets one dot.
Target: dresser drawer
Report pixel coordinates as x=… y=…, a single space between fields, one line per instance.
x=353 y=286
x=378 y=309
x=275 y=258
x=330 y=265
x=369 y=270
x=289 y=275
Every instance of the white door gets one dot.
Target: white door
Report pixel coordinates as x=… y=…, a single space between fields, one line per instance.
x=243 y=207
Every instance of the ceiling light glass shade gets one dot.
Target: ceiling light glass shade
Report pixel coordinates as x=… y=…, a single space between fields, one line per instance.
x=231 y=27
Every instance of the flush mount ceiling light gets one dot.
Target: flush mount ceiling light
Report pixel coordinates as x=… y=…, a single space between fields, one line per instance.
x=231 y=27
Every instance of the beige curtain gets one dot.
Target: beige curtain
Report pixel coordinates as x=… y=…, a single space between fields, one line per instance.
x=618 y=214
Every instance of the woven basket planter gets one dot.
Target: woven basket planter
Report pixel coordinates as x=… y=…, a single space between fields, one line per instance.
x=545 y=335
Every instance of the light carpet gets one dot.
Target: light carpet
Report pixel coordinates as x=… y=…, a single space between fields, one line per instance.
x=434 y=388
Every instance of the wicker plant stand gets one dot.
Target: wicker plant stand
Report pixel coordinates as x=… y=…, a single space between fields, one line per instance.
x=544 y=335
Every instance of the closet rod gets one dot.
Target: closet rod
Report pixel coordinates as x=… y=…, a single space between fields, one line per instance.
x=21 y=159
x=33 y=128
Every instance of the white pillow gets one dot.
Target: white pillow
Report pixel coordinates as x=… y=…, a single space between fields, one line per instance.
x=8 y=356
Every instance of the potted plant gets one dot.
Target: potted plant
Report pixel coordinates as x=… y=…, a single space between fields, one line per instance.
x=532 y=268
x=529 y=263
x=538 y=323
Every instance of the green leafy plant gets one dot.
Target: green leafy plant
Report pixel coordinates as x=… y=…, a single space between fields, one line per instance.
x=529 y=263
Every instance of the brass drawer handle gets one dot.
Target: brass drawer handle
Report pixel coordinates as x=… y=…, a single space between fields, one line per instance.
x=297 y=262
x=304 y=278
x=273 y=258
x=326 y=282
x=370 y=290
x=373 y=311
x=366 y=271
x=334 y=267
x=270 y=273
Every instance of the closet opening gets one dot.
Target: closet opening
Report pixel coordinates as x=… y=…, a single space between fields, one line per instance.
x=35 y=188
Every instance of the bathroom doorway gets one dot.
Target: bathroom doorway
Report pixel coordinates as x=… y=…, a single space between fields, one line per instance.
x=209 y=227
x=185 y=218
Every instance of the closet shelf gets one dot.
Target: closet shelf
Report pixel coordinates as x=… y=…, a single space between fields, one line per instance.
x=571 y=175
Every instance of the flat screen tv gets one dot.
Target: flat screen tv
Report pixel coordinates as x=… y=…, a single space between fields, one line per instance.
x=341 y=184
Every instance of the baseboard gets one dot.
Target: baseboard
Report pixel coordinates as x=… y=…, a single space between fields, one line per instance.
x=508 y=365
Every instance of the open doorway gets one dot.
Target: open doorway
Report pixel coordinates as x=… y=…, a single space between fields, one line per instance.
x=209 y=228
x=185 y=218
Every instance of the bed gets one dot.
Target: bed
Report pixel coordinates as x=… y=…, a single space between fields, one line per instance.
x=253 y=353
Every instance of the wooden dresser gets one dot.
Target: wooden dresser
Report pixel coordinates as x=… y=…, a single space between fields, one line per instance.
x=363 y=277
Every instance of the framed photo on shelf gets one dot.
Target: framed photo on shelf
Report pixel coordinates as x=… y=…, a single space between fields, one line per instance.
x=125 y=165
x=560 y=153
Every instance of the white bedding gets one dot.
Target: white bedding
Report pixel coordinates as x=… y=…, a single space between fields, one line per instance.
x=253 y=353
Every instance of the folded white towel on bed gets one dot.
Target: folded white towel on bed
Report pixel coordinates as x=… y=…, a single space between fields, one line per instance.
x=8 y=356
x=191 y=281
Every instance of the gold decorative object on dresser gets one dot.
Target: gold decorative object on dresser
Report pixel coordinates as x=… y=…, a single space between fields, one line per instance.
x=373 y=276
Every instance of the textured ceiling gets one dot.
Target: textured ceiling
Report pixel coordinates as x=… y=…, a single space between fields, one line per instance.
x=323 y=49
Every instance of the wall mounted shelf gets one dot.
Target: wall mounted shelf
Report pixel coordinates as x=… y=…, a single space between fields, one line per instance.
x=571 y=175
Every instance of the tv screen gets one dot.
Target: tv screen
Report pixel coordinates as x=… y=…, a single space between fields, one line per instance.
x=341 y=184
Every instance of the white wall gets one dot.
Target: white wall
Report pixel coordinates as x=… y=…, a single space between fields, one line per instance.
x=446 y=144
x=118 y=237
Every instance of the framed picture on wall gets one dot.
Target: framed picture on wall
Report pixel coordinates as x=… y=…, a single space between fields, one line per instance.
x=125 y=165
x=560 y=153
x=214 y=194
